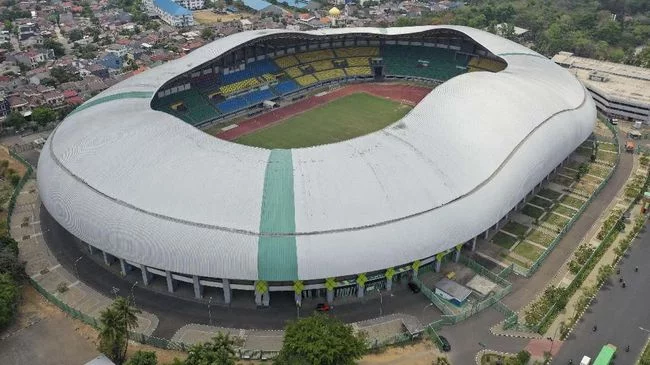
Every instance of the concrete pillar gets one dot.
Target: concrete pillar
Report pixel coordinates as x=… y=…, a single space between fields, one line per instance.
x=266 y=298
x=487 y=231
x=146 y=275
x=258 y=298
x=125 y=267
x=359 y=291
x=108 y=258
x=457 y=256
x=91 y=249
x=226 y=291
x=198 y=289
x=438 y=263
x=474 y=244
x=330 y=296
x=171 y=283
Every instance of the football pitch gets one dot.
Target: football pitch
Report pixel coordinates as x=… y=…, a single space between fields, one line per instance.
x=345 y=118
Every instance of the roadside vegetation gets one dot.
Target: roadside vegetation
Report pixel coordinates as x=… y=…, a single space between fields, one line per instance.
x=601 y=29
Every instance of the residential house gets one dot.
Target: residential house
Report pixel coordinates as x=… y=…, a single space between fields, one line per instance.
x=112 y=61
x=54 y=99
x=19 y=105
x=191 y=4
x=98 y=70
x=4 y=105
x=32 y=58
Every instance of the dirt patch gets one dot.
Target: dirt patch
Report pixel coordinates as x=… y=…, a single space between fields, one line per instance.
x=421 y=353
x=208 y=17
x=13 y=164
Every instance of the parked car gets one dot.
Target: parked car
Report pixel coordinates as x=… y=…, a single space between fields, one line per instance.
x=414 y=288
x=323 y=307
x=446 y=347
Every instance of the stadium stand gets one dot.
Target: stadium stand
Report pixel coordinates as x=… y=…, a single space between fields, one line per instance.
x=312 y=56
x=286 y=87
x=196 y=108
x=306 y=80
x=244 y=101
x=427 y=62
x=357 y=61
x=322 y=65
x=357 y=52
x=484 y=64
x=358 y=71
x=239 y=86
x=336 y=73
x=293 y=72
x=286 y=61
x=252 y=70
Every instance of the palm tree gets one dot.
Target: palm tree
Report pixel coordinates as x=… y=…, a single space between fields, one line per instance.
x=111 y=335
x=116 y=321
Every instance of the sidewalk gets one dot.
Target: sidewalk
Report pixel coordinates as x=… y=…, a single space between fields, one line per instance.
x=43 y=268
x=621 y=202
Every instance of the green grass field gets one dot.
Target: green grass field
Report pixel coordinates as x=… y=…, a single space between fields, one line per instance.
x=345 y=118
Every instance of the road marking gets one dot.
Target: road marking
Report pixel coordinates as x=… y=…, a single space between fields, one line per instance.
x=74 y=284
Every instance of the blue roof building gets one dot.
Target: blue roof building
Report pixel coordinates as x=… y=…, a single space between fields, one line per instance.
x=173 y=14
x=257 y=5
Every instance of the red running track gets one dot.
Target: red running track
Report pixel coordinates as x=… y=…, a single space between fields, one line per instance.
x=406 y=94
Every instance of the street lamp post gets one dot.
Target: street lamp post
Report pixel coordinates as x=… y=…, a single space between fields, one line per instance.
x=210 y=311
x=133 y=295
x=75 y=266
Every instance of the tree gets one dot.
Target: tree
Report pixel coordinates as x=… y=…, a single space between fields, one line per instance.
x=75 y=35
x=523 y=356
x=8 y=299
x=115 y=322
x=320 y=340
x=57 y=47
x=43 y=115
x=207 y=34
x=143 y=358
x=15 y=119
x=219 y=351
x=604 y=273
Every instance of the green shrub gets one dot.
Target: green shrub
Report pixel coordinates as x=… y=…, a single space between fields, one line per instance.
x=8 y=299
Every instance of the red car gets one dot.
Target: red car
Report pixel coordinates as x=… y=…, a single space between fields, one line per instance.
x=323 y=307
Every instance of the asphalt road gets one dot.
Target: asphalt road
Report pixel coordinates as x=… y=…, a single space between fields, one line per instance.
x=174 y=312
x=617 y=312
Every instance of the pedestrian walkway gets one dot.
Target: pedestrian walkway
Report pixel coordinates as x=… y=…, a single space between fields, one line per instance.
x=42 y=267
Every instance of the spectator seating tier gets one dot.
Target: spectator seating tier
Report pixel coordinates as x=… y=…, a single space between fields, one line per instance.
x=306 y=80
x=358 y=71
x=357 y=52
x=336 y=73
x=427 y=62
x=312 y=56
x=286 y=61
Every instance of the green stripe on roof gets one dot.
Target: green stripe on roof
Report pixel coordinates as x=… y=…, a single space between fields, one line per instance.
x=276 y=254
x=118 y=96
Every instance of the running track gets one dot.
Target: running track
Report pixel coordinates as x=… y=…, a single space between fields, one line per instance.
x=406 y=94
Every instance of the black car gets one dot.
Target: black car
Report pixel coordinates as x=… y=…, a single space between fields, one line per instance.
x=446 y=347
x=414 y=288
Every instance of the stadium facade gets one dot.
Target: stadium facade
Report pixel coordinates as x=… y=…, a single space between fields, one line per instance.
x=152 y=192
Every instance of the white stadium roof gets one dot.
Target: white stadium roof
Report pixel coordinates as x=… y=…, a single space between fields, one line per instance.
x=145 y=186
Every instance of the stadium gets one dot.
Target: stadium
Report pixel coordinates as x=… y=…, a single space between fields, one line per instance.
x=286 y=161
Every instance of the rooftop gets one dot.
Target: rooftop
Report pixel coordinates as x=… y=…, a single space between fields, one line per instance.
x=171 y=7
x=622 y=81
x=454 y=289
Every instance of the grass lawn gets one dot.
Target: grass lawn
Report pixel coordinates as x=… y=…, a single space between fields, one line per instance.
x=528 y=251
x=513 y=260
x=584 y=151
x=592 y=179
x=548 y=193
x=563 y=180
x=504 y=240
x=606 y=156
x=599 y=170
x=541 y=237
x=556 y=220
x=607 y=147
x=491 y=359
x=532 y=211
x=569 y=212
x=573 y=201
x=541 y=202
x=515 y=228
x=345 y=118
